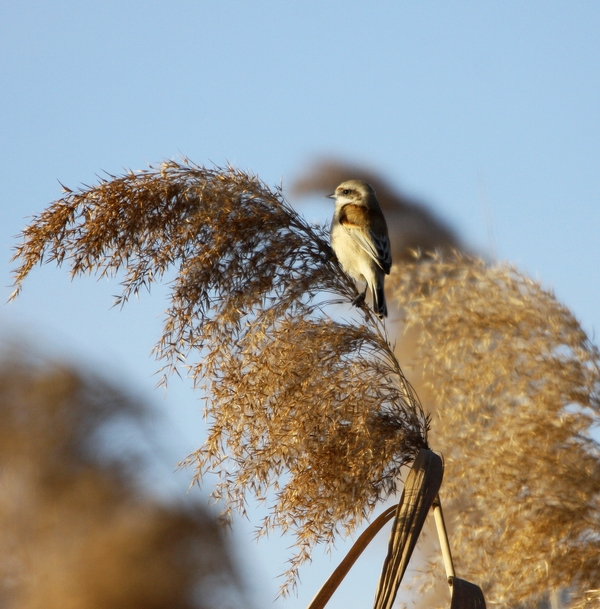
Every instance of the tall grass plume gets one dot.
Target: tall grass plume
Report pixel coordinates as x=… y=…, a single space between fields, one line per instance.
x=308 y=413
x=514 y=384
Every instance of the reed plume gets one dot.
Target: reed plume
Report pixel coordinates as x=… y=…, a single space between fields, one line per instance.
x=75 y=528
x=590 y=599
x=311 y=414
x=514 y=384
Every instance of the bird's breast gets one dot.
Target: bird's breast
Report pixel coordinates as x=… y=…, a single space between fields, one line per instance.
x=353 y=258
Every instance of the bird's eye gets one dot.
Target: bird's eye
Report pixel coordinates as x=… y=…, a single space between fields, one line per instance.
x=345 y=191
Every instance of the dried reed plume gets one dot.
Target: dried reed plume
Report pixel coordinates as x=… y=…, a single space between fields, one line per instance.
x=309 y=414
x=75 y=530
x=590 y=599
x=516 y=384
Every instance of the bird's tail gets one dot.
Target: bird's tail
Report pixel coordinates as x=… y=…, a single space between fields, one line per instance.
x=379 y=305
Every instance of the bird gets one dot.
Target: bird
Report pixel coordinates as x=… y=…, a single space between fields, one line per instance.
x=360 y=240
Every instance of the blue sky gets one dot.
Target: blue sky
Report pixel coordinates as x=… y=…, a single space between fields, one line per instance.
x=466 y=106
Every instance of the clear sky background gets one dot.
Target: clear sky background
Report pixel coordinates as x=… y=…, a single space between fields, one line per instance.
x=486 y=111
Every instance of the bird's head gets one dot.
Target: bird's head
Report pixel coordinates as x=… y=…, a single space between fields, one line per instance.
x=354 y=192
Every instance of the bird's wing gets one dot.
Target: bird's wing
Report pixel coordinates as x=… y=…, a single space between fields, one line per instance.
x=382 y=245
x=374 y=243
x=377 y=246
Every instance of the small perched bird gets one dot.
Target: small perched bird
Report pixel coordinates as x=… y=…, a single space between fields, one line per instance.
x=359 y=238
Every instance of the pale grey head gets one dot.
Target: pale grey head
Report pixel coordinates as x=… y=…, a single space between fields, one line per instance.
x=355 y=192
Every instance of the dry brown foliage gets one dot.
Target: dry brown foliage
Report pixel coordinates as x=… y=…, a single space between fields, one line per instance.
x=589 y=600
x=516 y=387
x=75 y=531
x=311 y=414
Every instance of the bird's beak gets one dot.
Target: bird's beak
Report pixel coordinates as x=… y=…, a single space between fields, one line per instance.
x=331 y=196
